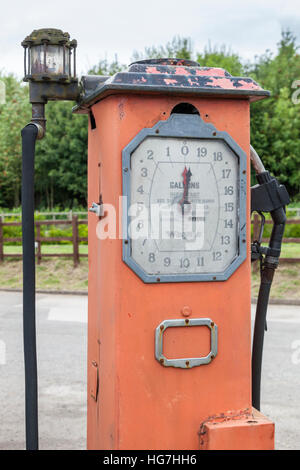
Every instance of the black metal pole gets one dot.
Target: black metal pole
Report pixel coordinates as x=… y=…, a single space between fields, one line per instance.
x=29 y=135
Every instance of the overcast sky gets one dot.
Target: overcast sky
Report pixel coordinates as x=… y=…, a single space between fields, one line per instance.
x=105 y=28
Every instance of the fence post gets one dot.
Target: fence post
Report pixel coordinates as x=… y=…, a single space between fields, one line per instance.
x=38 y=240
x=1 y=241
x=75 y=240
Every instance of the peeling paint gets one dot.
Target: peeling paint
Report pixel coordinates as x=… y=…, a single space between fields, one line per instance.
x=213 y=72
x=251 y=85
x=182 y=71
x=225 y=83
x=152 y=70
x=170 y=81
x=160 y=74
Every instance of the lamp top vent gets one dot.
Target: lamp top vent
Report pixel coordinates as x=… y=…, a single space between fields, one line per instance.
x=48 y=36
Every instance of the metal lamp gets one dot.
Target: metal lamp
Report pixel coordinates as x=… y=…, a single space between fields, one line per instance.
x=48 y=56
x=50 y=69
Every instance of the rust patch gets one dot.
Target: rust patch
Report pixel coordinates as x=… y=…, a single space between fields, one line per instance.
x=221 y=418
x=121 y=111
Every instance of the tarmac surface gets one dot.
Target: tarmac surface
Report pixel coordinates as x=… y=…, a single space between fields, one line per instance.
x=62 y=344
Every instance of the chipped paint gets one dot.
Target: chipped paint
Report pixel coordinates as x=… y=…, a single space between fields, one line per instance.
x=213 y=72
x=249 y=86
x=182 y=71
x=170 y=81
x=192 y=82
x=178 y=74
x=152 y=70
x=225 y=83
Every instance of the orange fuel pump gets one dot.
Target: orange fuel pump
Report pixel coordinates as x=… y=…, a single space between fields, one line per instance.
x=169 y=355
x=169 y=327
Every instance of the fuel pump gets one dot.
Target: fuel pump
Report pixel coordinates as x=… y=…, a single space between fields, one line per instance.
x=169 y=337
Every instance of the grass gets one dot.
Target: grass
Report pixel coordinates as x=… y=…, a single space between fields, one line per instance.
x=286 y=283
x=289 y=250
x=51 y=274
x=60 y=274
x=47 y=249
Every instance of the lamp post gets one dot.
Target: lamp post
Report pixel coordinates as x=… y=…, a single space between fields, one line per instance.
x=50 y=69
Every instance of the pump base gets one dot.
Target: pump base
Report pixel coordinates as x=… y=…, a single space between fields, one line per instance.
x=250 y=431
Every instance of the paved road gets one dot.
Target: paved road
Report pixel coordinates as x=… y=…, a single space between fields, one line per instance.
x=62 y=372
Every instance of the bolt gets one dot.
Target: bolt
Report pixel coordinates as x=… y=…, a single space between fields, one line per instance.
x=186 y=311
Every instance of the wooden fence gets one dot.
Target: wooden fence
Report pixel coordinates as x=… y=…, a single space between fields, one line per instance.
x=75 y=239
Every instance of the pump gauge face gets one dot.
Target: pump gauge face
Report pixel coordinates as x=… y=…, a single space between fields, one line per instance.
x=185 y=204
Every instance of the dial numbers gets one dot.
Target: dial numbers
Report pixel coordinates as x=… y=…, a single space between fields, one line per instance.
x=187 y=195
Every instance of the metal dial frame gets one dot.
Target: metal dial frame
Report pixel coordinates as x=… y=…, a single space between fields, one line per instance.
x=185 y=126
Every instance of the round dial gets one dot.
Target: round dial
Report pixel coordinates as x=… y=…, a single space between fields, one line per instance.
x=184 y=197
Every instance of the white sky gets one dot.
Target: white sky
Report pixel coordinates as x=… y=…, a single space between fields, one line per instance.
x=105 y=28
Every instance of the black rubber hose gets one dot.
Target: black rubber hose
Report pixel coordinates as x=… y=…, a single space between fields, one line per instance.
x=29 y=135
x=259 y=332
x=268 y=270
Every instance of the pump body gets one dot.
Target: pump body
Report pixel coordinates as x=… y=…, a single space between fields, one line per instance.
x=133 y=401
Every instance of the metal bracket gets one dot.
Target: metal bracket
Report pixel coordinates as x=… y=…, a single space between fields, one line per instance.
x=186 y=363
x=97 y=209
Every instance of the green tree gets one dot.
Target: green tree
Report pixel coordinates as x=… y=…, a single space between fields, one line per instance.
x=61 y=158
x=221 y=57
x=275 y=124
x=13 y=114
x=177 y=47
x=107 y=68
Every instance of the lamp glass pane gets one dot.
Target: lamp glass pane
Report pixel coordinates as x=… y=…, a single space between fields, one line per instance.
x=54 y=60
